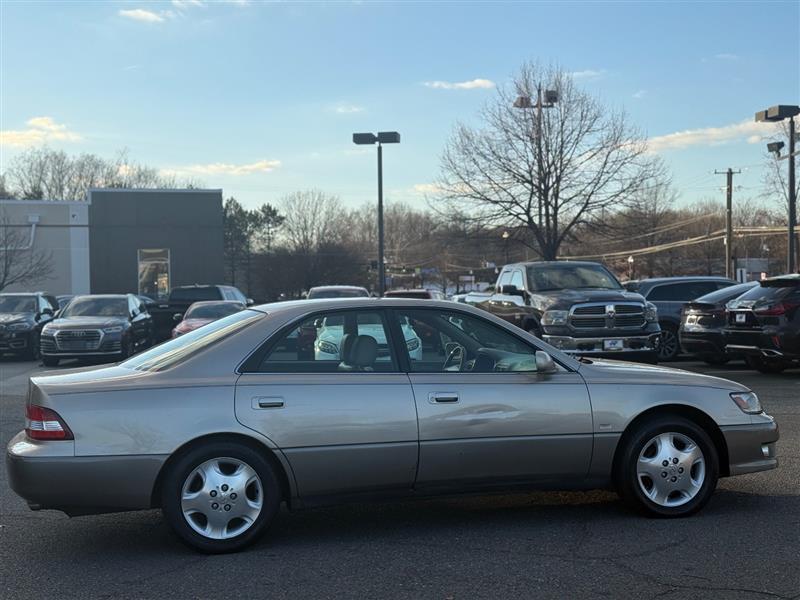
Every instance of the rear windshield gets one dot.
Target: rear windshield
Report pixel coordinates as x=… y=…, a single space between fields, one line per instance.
x=195 y=293
x=727 y=294
x=344 y=293
x=772 y=291
x=180 y=348
x=213 y=311
x=96 y=307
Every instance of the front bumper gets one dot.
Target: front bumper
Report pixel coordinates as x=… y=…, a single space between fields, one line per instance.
x=16 y=341
x=595 y=346
x=47 y=475
x=751 y=448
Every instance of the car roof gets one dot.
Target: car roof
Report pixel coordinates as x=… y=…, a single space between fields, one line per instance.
x=536 y=263
x=21 y=293
x=102 y=296
x=409 y=290
x=337 y=287
x=680 y=278
x=207 y=302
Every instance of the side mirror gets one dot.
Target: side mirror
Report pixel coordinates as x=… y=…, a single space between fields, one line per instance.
x=48 y=311
x=177 y=317
x=250 y=302
x=318 y=323
x=511 y=290
x=545 y=362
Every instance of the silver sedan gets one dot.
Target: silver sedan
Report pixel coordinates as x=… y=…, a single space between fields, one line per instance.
x=222 y=425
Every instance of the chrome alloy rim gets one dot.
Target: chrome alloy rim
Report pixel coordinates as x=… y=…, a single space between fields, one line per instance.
x=671 y=469
x=222 y=498
x=669 y=344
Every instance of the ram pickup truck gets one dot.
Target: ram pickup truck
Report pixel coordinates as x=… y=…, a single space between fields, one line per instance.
x=578 y=307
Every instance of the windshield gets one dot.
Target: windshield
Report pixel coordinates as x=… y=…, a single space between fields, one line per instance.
x=178 y=349
x=213 y=311
x=96 y=307
x=195 y=294
x=342 y=293
x=17 y=304
x=543 y=278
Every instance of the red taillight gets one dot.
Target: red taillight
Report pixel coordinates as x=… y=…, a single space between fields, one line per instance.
x=775 y=309
x=44 y=424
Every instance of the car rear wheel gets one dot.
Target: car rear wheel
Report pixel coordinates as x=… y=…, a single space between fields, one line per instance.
x=668 y=348
x=220 y=497
x=766 y=366
x=668 y=467
x=33 y=349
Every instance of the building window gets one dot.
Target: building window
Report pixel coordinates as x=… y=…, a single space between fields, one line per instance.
x=154 y=272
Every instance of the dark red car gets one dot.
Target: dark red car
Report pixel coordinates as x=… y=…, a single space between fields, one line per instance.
x=202 y=313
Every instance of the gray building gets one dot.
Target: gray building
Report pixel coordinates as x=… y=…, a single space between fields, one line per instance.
x=141 y=241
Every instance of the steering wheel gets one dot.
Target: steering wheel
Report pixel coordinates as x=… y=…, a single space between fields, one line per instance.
x=455 y=359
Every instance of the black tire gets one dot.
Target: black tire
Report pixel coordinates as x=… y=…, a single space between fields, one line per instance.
x=33 y=350
x=626 y=474
x=534 y=330
x=127 y=349
x=669 y=347
x=182 y=467
x=716 y=360
x=50 y=361
x=766 y=366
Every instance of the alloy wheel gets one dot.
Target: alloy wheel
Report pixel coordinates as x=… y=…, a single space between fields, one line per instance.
x=222 y=498
x=671 y=469
x=668 y=346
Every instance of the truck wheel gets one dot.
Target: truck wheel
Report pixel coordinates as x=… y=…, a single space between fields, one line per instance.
x=50 y=361
x=669 y=348
x=534 y=330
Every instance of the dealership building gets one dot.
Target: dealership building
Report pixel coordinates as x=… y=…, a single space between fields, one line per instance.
x=141 y=241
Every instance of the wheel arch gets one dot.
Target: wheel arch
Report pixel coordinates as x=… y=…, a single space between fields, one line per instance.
x=531 y=321
x=281 y=469
x=697 y=416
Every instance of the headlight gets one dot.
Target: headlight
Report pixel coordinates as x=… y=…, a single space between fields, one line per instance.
x=412 y=344
x=555 y=317
x=650 y=312
x=114 y=329
x=19 y=327
x=327 y=347
x=747 y=401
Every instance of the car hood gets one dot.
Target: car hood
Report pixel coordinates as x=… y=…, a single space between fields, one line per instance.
x=565 y=299
x=86 y=322
x=14 y=317
x=626 y=373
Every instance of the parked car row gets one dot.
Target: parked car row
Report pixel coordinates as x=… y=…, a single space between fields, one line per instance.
x=106 y=327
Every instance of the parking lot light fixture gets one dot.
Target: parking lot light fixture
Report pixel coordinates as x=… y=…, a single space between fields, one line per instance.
x=368 y=139
x=775 y=114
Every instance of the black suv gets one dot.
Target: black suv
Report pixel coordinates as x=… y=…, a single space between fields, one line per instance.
x=22 y=317
x=764 y=324
x=670 y=295
x=578 y=307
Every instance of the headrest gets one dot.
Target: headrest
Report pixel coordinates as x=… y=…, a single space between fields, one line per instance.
x=364 y=351
x=346 y=347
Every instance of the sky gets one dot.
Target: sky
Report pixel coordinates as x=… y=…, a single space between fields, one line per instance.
x=261 y=98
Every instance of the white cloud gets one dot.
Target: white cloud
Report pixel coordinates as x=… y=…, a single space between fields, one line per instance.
x=424 y=189
x=41 y=130
x=638 y=95
x=588 y=74
x=183 y=4
x=473 y=84
x=140 y=14
x=750 y=131
x=260 y=166
x=347 y=109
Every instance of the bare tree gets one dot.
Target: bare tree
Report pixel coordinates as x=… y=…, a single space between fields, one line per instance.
x=19 y=261
x=549 y=175
x=44 y=173
x=312 y=218
x=775 y=177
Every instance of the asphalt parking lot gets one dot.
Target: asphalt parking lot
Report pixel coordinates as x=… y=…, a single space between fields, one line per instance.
x=745 y=544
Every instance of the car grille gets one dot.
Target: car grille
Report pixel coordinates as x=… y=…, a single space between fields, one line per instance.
x=77 y=340
x=608 y=316
x=47 y=344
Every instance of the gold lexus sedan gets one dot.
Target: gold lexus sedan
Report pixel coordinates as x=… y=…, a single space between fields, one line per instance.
x=322 y=401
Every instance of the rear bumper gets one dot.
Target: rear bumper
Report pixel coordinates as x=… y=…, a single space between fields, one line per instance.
x=751 y=448
x=47 y=476
x=706 y=342
x=768 y=344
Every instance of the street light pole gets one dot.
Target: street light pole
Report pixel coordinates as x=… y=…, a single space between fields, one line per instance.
x=383 y=137
x=381 y=265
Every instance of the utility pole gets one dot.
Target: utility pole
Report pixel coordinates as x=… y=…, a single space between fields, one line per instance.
x=790 y=261
x=728 y=220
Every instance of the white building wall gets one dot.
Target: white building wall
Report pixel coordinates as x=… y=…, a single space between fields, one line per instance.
x=60 y=229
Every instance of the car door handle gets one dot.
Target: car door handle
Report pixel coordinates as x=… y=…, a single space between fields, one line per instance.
x=443 y=397
x=267 y=402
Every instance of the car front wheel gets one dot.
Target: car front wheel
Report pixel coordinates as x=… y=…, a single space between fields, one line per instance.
x=50 y=361
x=668 y=467
x=220 y=497
x=668 y=348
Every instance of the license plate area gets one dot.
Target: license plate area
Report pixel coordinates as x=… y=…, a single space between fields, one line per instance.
x=612 y=345
x=741 y=317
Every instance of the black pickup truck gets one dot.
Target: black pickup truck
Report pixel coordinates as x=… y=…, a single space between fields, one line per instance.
x=166 y=313
x=578 y=307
